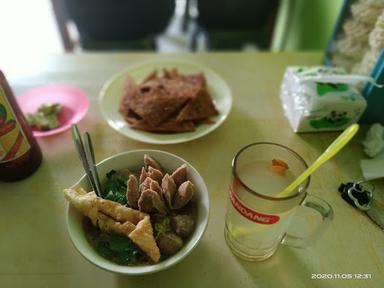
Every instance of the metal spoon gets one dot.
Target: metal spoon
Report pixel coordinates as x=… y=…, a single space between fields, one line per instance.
x=90 y=156
x=89 y=166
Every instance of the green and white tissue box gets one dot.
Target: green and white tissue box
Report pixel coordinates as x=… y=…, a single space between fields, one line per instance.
x=313 y=101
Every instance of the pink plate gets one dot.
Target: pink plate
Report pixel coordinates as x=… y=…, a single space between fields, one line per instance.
x=74 y=104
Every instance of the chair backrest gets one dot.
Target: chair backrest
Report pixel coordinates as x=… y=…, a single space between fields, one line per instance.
x=114 y=21
x=239 y=14
x=229 y=24
x=119 y=19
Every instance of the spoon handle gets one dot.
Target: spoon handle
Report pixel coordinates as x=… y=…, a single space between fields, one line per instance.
x=80 y=149
x=90 y=156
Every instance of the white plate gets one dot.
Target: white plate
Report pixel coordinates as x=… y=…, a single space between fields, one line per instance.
x=112 y=92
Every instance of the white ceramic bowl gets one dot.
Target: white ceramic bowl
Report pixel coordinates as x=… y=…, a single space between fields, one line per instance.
x=134 y=159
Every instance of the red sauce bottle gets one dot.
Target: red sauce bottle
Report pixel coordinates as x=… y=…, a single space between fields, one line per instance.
x=20 y=155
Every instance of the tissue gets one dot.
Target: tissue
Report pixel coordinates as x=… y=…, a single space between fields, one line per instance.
x=313 y=100
x=374 y=140
x=374 y=148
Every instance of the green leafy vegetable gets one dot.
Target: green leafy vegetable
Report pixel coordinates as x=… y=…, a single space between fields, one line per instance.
x=115 y=187
x=49 y=109
x=162 y=225
x=46 y=117
x=117 y=248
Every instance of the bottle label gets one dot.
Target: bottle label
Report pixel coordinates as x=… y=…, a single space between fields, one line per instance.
x=13 y=142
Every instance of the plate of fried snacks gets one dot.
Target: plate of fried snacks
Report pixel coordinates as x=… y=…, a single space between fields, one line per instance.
x=165 y=101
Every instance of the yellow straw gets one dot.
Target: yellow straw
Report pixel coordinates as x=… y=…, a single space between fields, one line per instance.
x=331 y=151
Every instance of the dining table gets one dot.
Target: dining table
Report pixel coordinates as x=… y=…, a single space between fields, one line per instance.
x=36 y=250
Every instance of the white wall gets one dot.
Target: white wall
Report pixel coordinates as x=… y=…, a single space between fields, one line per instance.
x=27 y=27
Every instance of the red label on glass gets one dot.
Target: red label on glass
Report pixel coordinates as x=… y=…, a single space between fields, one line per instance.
x=251 y=214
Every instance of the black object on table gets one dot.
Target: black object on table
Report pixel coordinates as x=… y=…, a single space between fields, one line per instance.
x=356 y=195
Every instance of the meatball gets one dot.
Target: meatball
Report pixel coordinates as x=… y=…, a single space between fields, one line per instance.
x=183 y=195
x=169 y=243
x=182 y=225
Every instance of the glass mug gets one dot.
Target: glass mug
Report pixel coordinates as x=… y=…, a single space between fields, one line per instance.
x=257 y=219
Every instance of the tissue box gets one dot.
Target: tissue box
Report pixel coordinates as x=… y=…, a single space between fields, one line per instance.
x=314 y=106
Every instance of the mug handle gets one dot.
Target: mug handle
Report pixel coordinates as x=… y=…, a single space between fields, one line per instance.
x=326 y=212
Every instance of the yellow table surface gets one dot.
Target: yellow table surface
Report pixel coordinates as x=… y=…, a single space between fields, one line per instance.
x=35 y=249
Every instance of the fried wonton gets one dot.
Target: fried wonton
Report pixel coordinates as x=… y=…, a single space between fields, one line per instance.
x=113 y=217
x=143 y=237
